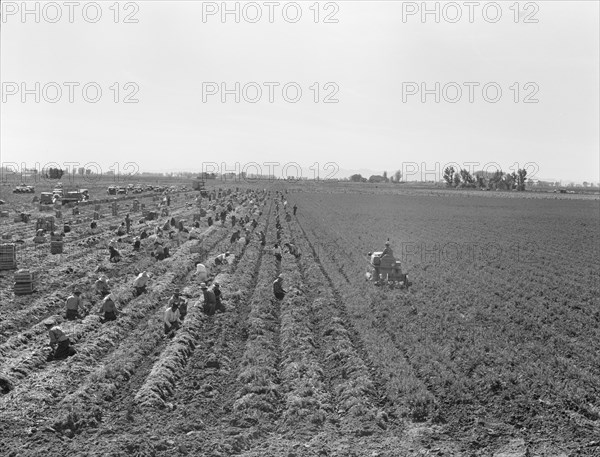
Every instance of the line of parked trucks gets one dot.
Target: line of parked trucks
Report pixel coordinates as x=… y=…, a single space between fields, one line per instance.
x=66 y=196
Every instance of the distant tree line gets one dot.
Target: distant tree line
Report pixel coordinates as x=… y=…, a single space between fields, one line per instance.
x=54 y=173
x=462 y=179
x=495 y=181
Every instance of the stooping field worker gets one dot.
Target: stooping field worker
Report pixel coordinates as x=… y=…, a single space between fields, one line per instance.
x=202 y=272
x=278 y=290
x=222 y=258
x=101 y=286
x=171 y=319
x=115 y=255
x=140 y=283
x=159 y=251
x=181 y=303
x=59 y=342
x=109 y=308
x=210 y=301
x=72 y=305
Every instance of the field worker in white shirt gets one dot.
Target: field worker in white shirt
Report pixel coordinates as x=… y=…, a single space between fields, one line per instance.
x=202 y=272
x=171 y=319
x=140 y=283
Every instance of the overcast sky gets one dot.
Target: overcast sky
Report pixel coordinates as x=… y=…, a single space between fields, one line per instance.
x=371 y=56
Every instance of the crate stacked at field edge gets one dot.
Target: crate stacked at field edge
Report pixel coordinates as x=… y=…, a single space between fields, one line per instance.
x=56 y=244
x=8 y=256
x=45 y=223
x=24 y=282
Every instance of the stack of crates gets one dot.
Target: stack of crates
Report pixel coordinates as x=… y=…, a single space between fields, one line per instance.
x=3 y=213
x=24 y=280
x=56 y=244
x=59 y=214
x=8 y=256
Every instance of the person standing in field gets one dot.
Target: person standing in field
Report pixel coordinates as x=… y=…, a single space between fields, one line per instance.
x=295 y=208
x=72 y=305
x=278 y=290
x=277 y=252
x=109 y=309
x=210 y=301
x=59 y=342
x=220 y=307
x=127 y=222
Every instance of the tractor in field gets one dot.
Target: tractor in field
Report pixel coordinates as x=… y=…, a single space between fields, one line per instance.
x=384 y=269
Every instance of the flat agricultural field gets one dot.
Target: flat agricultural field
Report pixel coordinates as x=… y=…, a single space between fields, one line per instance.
x=494 y=350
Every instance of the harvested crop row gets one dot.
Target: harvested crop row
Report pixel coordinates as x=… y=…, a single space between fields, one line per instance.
x=349 y=378
x=104 y=379
x=161 y=381
x=20 y=361
x=259 y=396
x=46 y=305
x=104 y=383
x=307 y=401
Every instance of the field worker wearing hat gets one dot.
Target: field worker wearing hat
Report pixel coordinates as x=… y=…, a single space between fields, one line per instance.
x=159 y=251
x=171 y=318
x=181 y=303
x=72 y=304
x=210 y=301
x=136 y=243
x=101 y=286
x=115 y=255
x=109 y=309
x=278 y=288
x=59 y=342
x=221 y=258
x=216 y=289
x=140 y=283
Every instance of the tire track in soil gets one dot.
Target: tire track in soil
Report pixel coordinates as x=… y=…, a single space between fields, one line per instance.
x=417 y=412
x=353 y=334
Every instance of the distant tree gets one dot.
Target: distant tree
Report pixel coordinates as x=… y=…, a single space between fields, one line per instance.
x=585 y=184
x=54 y=173
x=449 y=176
x=377 y=178
x=456 y=179
x=398 y=176
x=466 y=179
x=521 y=179
x=356 y=178
x=385 y=176
x=480 y=181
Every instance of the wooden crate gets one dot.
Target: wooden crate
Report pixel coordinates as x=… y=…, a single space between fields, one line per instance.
x=56 y=247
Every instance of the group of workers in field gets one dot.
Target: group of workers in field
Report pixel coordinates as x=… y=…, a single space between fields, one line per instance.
x=177 y=305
